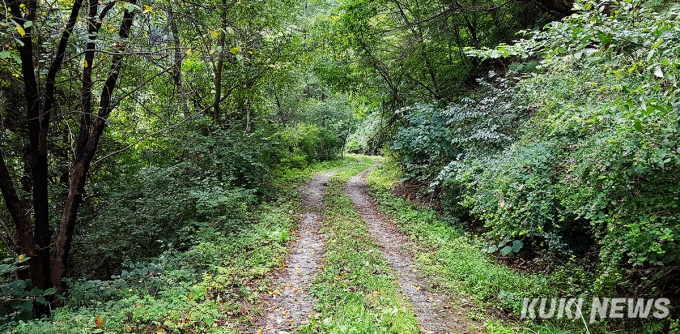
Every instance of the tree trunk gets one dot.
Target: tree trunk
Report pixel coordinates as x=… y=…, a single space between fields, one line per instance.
x=86 y=93
x=177 y=63
x=18 y=209
x=218 y=88
x=37 y=133
x=247 y=116
x=82 y=165
x=217 y=117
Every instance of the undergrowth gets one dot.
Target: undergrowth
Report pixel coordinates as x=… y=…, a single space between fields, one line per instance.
x=213 y=287
x=496 y=292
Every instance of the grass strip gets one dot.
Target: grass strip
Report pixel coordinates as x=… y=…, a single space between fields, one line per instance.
x=356 y=290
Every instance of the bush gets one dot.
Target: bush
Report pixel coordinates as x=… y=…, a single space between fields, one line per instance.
x=599 y=162
x=211 y=179
x=425 y=143
x=477 y=126
x=580 y=154
x=18 y=297
x=311 y=142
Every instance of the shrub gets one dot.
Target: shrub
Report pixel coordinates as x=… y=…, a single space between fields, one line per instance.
x=599 y=162
x=436 y=139
x=312 y=142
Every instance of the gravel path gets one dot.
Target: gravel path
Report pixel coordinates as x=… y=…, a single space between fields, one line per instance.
x=291 y=304
x=430 y=307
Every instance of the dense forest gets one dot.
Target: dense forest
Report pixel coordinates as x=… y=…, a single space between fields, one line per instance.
x=350 y=166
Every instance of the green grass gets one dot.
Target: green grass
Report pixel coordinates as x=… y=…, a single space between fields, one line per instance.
x=454 y=260
x=211 y=288
x=356 y=290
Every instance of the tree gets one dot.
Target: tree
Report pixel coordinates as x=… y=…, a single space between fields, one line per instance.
x=400 y=52
x=34 y=23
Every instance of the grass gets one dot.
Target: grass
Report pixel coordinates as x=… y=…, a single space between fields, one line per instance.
x=454 y=260
x=356 y=290
x=214 y=287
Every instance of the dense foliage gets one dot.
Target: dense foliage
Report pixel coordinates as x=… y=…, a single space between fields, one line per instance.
x=577 y=154
x=150 y=151
x=128 y=129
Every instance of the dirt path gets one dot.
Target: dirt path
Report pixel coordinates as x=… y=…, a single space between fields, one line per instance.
x=291 y=304
x=430 y=307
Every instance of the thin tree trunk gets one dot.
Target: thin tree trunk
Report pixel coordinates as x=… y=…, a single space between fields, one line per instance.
x=177 y=63
x=82 y=165
x=86 y=94
x=247 y=116
x=218 y=70
x=218 y=87
x=19 y=209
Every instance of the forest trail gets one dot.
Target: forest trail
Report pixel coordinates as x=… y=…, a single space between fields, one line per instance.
x=432 y=309
x=291 y=302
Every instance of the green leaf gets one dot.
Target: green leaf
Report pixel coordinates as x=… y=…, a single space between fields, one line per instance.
x=27 y=305
x=41 y=300
x=604 y=39
x=35 y=292
x=506 y=250
x=18 y=60
x=650 y=55
x=658 y=72
x=50 y=291
x=638 y=126
x=517 y=245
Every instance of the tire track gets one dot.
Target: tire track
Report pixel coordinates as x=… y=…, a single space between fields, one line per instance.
x=291 y=303
x=429 y=306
